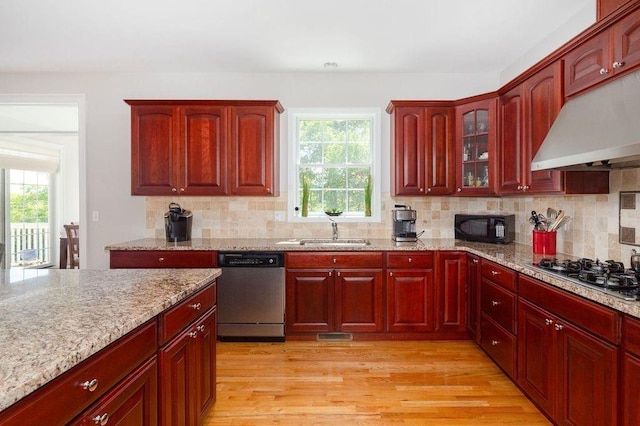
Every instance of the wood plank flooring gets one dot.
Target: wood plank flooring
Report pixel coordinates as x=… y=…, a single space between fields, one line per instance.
x=365 y=383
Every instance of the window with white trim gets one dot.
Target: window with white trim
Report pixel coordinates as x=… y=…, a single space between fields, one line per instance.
x=334 y=158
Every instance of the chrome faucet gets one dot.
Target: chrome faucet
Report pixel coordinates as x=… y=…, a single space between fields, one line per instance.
x=334 y=228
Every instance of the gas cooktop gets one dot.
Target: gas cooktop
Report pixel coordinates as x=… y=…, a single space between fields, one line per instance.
x=609 y=276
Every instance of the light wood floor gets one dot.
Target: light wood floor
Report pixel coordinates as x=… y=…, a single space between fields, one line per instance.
x=364 y=383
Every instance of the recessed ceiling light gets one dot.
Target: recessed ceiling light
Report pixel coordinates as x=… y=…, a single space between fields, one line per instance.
x=330 y=65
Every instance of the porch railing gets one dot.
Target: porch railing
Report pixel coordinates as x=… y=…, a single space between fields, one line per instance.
x=29 y=244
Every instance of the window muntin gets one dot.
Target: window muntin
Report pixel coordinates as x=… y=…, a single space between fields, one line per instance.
x=337 y=152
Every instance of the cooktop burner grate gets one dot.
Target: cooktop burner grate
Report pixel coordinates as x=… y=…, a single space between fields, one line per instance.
x=608 y=276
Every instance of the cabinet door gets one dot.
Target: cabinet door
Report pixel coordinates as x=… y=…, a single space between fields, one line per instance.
x=476 y=153
x=359 y=296
x=134 y=401
x=410 y=300
x=587 y=64
x=253 y=151
x=178 y=392
x=309 y=300
x=627 y=43
x=451 y=288
x=605 y=7
x=536 y=363
x=408 y=151
x=511 y=143
x=440 y=154
x=543 y=100
x=205 y=362
x=589 y=378
x=473 y=296
x=205 y=135
x=155 y=150
x=630 y=390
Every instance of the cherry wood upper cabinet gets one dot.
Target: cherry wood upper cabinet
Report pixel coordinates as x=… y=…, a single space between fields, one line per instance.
x=423 y=150
x=511 y=171
x=612 y=52
x=605 y=7
x=542 y=103
x=476 y=151
x=253 y=151
x=204 y=147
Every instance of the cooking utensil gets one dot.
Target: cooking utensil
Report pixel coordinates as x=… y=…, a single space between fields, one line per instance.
x=552 y=214
x=555 y=223
x=535 y=220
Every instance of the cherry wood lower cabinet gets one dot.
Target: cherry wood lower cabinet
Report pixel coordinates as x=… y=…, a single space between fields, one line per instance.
x=187 y=359
x=410 y=292
x=163 y=259
x=631 y=372
x=334 y=292
x=450 y=292
x=473 y=296
x=134 y=401
x=569 y=369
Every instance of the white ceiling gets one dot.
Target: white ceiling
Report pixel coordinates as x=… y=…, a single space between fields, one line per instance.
x=423 y=36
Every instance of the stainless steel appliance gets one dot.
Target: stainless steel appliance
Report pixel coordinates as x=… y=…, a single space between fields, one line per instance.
x=485 y=228
x=177 y=223
x=404 y=224
x=251 y=296
x=610 y=277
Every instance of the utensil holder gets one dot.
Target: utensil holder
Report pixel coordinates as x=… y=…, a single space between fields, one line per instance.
x=544 y=242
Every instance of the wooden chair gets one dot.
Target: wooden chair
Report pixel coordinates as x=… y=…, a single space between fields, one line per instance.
x=73 y=245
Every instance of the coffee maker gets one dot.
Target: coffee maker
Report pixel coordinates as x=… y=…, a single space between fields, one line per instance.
x=404 y=224
x=177 y=223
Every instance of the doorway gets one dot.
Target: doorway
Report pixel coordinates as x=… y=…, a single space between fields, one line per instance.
x=39 y=175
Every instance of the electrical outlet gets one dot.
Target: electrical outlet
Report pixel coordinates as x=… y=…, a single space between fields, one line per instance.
x=95 y=216
x=279 y=216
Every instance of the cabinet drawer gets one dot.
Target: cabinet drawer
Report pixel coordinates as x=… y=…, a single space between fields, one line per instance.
x=499 y=304
x=62 y=399
x=631 y=333
x=177 y=318
x=500 y=345
x=334 y=260
x=163 y=259
x=597 y=319
x=410 y=260
x=499 y=275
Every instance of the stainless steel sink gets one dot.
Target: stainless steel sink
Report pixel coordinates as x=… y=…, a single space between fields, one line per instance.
x=340 y=242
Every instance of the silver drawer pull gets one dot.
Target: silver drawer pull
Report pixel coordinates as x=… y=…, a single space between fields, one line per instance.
x=90 y=385
x=196 y=306
x=559 y=327
x=495 y=342
x=495 y=303
x=475 y=261
x=161 y=259
x=201 y=328
x=101 y=420
x=494 y=273
x=548 y=321
x=410 y=260
x=193 y=334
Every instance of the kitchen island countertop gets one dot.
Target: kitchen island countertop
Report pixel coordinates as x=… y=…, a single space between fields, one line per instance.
x=518 y=257
x=54 y=319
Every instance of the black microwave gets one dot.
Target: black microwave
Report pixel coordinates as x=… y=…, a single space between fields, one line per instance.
x=485 y=228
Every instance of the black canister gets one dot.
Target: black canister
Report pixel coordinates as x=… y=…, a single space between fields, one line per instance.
x=177 y=223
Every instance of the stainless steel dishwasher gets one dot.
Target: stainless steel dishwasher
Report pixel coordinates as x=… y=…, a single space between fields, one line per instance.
x=251 y=296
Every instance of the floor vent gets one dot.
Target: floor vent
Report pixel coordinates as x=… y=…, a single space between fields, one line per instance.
x=334 y=337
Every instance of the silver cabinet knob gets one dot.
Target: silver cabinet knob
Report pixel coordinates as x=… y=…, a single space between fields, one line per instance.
x=174 y=190
x=428 y=189
x=559 y=327
x=519 y=188
x=268 y=190
x=201 y=328
x=196 y=306
x=525 y=187
x=193 y=334
x=101 y=420
x=475 y=261
x=390 y=274
x=90 y=385
x=618 y=64
x=604 y=71
x=459 y=189
x=330 y=273
x=495 y=303
x=494 y=273
x=548 y=321
x=421 y=189
x=495 y=342
x=335 y=260
x=161 y=259
x=410 y=259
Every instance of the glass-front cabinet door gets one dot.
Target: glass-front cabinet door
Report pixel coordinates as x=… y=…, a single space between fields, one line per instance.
x=476 y=147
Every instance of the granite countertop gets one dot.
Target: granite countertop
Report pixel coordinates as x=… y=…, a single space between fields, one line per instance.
x=54 y=319
x=519 y=257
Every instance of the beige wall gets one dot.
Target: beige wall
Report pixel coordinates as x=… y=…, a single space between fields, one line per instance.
x=592 y=233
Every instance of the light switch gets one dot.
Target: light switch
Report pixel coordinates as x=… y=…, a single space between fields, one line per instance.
x=95 y=216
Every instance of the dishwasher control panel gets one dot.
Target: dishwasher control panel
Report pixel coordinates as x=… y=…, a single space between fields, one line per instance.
x=250 y=259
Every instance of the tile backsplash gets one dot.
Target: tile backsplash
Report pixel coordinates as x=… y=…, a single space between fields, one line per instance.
x=593 y=232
